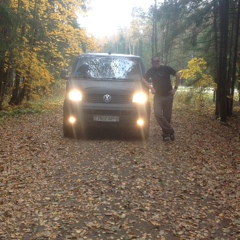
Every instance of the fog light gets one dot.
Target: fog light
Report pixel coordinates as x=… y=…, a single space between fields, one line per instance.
x=72 y=120
x=140 y=122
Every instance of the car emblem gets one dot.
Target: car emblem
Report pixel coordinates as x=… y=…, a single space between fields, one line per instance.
x=107 y=98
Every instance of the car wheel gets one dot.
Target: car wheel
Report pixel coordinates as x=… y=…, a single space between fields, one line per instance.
x=68 y=131
x=141 y=134
x=144 y=133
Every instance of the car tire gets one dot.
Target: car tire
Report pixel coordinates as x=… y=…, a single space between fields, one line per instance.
x=71 y=131
x=141 y=134
x=68 y=131
x=145 y=133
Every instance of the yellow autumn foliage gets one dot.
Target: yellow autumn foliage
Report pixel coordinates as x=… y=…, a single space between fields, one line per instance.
x=33 y=71
x=196 y=75
x=45 y=38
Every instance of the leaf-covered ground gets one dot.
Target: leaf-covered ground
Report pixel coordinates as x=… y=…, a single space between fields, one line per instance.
x=114 y=188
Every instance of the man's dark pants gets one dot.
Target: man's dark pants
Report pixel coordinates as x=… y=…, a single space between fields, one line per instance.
x=163 y=112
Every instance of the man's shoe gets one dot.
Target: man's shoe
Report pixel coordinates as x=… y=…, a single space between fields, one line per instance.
x=165 y=137
x=172 y=136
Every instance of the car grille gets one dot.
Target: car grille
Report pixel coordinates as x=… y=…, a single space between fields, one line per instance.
x=107 y=112
x=98 y=98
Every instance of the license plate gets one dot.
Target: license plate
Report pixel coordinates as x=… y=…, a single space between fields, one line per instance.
x=101 y=118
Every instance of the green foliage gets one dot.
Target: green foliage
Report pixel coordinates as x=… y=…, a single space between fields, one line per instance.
x=190 y=98
x=17 y=112
x=31 y=107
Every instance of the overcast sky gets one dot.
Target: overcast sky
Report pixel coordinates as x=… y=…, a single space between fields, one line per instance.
x=107 y=16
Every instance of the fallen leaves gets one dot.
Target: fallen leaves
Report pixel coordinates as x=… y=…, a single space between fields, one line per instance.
x=57 y=188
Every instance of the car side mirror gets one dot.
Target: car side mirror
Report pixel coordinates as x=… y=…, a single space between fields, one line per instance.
x=64 y=74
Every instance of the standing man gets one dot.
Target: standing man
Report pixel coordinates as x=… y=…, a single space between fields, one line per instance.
x=163 y=94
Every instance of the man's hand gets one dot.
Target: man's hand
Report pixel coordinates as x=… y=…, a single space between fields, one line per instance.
x=148 y=86
x=153 y=91
x=173 y=91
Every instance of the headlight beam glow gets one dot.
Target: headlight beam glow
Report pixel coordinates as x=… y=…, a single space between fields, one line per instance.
x=72 y=120
x=75 y=95
x=140 y=122
x=139 y=97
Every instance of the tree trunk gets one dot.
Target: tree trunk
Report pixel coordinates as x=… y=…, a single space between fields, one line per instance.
x=235 y=53
x=18 y=92
x=152 y=38
x=229 y=72
x=155 y=28
x=223 y=51
x=217 y=107
x=2 y=84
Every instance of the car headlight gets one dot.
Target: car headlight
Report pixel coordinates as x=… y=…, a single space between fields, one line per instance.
x=75 y=95
x=140 y=97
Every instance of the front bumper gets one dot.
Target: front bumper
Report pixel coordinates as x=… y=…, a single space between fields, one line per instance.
x=110 y=115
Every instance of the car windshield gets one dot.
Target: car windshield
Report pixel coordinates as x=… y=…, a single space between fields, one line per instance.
x=101 y=67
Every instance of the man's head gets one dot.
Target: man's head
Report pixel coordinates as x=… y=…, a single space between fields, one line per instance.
x=155 y=62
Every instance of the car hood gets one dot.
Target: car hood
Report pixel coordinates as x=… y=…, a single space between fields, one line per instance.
x=98 y=87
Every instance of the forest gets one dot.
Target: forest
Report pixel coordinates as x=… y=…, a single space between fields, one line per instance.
x=109 y=186
x=199 y=38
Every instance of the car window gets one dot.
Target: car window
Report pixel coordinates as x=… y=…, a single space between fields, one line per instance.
x=111 y=68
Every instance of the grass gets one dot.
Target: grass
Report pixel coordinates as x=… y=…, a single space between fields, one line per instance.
x=184 y=99
x=32 y=107
x=194 y=100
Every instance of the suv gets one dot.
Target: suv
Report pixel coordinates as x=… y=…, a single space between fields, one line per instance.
x=105 y=91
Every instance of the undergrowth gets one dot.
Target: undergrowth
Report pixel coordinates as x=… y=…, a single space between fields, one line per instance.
x=184 y=100
x=32 y=107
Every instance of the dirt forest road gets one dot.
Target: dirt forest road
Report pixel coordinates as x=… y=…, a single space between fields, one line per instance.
x=113 y=188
